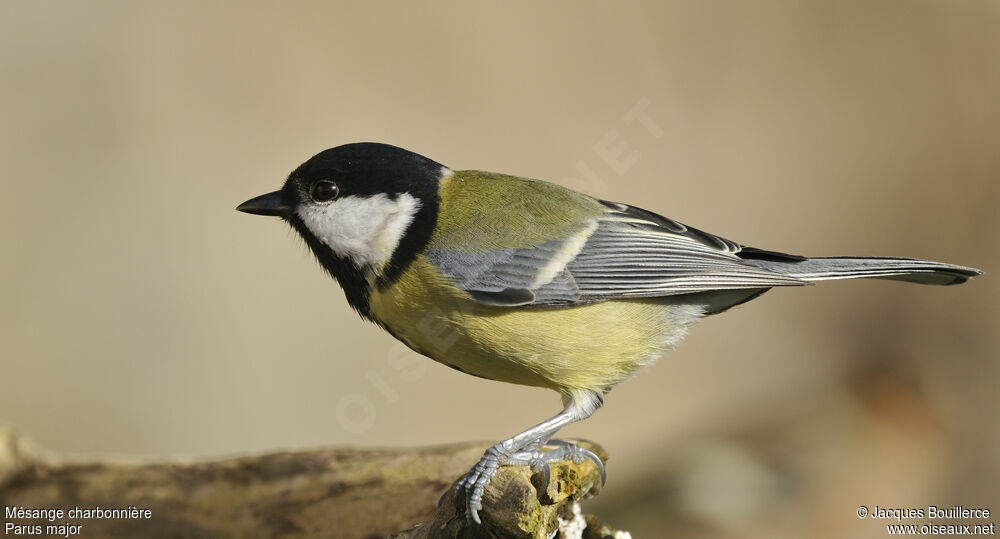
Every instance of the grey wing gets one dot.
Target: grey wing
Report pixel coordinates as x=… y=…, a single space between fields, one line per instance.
x=625 y=253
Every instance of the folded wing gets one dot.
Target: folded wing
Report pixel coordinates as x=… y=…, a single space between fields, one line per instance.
x=626 y=252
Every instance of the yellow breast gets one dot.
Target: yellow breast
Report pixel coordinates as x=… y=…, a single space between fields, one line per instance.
x=584 y=347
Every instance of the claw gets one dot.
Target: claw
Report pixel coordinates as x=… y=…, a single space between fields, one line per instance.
x=474 y=504
x=540 y=465
x=577 y=454
x=597 y=462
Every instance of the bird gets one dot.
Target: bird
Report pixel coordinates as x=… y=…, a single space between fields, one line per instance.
x=528 y=282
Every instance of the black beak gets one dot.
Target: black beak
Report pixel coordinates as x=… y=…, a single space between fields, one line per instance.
x=269 y=204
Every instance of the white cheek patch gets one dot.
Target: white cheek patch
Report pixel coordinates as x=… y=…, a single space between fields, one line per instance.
x=363 y=229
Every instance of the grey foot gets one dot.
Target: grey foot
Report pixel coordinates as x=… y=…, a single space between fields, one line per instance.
x=474 y=482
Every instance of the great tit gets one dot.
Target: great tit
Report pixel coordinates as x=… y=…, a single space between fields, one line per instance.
x=528 y=282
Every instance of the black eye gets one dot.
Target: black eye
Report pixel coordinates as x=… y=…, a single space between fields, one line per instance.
x=324 y=191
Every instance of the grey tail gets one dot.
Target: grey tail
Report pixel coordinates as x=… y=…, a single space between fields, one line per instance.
x=856 y=267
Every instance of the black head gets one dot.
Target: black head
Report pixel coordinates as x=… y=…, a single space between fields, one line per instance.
x=352 y=201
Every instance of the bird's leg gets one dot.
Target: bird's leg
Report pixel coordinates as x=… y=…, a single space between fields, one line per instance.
x=525 y=449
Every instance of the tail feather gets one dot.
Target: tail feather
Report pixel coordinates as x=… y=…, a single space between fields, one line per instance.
x=853 y=267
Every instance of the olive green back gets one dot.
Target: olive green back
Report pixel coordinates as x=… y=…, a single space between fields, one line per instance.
x=523 y=212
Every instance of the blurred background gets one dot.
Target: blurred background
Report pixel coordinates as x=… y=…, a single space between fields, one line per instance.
x=141 y=315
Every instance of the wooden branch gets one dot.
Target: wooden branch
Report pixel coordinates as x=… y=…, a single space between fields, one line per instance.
x=347 y=492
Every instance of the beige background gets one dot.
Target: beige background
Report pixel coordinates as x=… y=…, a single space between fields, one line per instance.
x=141 y=315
